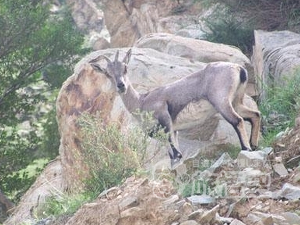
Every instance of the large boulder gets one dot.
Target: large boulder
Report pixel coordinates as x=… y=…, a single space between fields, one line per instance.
x=275 y=55
x=127 y=21
x=198 y=50
x=193 y=49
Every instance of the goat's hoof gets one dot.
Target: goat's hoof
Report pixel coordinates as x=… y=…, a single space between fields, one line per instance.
x=247 y=149
x=254 y=147
x=175 y=163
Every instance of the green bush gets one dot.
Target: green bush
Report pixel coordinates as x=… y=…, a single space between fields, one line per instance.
x=264 y=14
x=112 y=155
x=224 y=27
x=280 y=106
x=63 y=204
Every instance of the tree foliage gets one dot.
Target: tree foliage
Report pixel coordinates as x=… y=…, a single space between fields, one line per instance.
x=225 y=28
x=233 y=21
x=36 y=45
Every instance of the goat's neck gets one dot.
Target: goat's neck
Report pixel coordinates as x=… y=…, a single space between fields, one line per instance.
x=131 y=99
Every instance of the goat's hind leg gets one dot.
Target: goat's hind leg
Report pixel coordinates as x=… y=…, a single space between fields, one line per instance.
x=227 y=111
x=253 y=116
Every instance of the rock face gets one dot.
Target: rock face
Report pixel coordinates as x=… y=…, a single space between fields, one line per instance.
x=156 y=201
x=5 y=206
x=49 y=183
x=136 y=202
x=84 y=92
x=137 y=18
x=193 y=49
x=86 y=15
x=275 y=55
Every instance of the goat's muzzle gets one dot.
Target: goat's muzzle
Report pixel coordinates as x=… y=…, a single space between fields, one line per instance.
x=121 y=87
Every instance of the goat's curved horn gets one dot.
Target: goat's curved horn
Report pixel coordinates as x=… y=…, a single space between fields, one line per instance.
x=117 y=56
x=127 y=57
x=100 y=57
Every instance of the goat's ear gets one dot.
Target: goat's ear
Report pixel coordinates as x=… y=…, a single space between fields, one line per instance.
x=127 y=57
x=97 y=67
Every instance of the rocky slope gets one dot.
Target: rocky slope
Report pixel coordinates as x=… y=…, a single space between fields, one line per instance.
x=209 y=188
x=247 y=190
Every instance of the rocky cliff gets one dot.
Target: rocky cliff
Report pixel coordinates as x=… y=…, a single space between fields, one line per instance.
x=256 y=194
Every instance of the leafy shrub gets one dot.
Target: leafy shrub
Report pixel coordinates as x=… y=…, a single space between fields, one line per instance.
x=281 y=105
x=265 y=14
x=112 y=155
x=63 y=204
x=224 y=27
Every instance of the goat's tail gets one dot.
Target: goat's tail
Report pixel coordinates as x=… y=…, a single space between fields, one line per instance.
x=243 y=75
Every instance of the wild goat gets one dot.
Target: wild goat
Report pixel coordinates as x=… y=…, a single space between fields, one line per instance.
x=221 y=83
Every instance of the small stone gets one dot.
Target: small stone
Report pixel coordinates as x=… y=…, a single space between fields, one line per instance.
x=268 y=150
x=180 y=203
x=132 y=212
x=250 y=177
x=266 y=218
x=145 y=182
x=175 y=223
x=278 y=159
x=292 y=218
x=256 y=159
x=266 y=209
x=201 y=199
x=223 y=160
x=172 y=199
x=290 y=192
x=253 y=218
x=91 y=205
x=209 y=216
x=196 y=215
x=110 y=193
x=280 y=169
x=130 y=201
x=223 y=220
x=237 y=222
x=296 y=177
x=175 y=216
x=258 y=207
x=189 y=222
x=267 y=221
x=187 y=209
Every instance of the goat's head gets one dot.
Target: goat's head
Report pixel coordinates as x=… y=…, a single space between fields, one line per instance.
x=115 y=70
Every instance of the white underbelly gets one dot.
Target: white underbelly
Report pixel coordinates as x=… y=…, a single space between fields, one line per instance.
x=194 y=114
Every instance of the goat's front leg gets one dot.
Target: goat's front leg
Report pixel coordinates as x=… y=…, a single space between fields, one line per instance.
x=173 y=140
x=165 y=121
